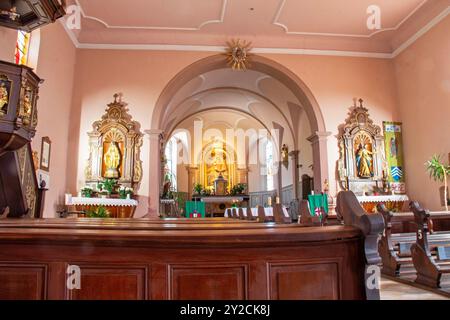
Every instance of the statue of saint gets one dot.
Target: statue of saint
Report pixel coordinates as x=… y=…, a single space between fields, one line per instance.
x=3 y=98
x=219 y=164
x=364 y=161
x=112 y=161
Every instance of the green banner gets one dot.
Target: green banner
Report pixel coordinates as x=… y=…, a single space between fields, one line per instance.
x=393 y=141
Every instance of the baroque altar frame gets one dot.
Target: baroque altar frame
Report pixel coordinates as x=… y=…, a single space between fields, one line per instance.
x=117 y=126
x=358 y=126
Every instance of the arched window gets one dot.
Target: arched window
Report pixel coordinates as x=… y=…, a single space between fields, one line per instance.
x=171 y=162
x=270 y=166
x=22 y=47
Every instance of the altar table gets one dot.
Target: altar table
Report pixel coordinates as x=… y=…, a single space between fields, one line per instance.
x=118 y=208
x=394 y=203
x=216 y=205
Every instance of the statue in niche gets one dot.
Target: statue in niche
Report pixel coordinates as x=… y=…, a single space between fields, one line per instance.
x=112 y=161
x=364 y=161
x=360 y=166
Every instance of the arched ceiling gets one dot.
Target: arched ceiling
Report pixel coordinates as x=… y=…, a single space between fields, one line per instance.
x=252 y=94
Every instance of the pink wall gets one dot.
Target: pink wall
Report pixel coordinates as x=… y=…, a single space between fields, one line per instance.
x=7 y=44
x=56 y=66
x=423 y=82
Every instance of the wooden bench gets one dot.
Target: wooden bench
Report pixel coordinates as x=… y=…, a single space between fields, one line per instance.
x=430 y=260
x=395 y=248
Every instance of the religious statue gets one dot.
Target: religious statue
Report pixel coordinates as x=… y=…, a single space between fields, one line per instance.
x=364 y=161
x=285 y=156
x=3 y=99
x=219 y=165
x=27 y=107
x=112 y=161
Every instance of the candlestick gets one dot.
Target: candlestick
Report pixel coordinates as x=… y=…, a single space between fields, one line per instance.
x=269 y=201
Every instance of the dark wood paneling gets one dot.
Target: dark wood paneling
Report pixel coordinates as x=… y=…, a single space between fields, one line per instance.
x=103 y=282
x=314 y=280
x=23 y=282
x=148 y=260
x=208 y=282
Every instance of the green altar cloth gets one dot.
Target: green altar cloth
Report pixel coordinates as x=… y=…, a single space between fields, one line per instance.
x=197 y=206
x=318 y=204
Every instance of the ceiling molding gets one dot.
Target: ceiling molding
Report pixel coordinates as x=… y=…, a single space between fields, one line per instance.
x=219 y=20
x=201 y=48
x=421 y=32
x=276 y=22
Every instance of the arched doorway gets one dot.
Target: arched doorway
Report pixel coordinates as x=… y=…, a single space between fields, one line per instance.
x=182 y=96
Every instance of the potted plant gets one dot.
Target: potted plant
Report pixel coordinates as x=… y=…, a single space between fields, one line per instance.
x=439 y=171
x=125 y=192
x=87 y=192
x=198 y=188
x=107 y=186
x=238 y=189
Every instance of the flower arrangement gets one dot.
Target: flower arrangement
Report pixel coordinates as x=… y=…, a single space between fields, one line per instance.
x=87 y=192
x=198 y=188
x=125 y=192
x=238 y=189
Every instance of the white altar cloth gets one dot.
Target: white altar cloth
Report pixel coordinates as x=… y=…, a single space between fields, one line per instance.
x=107 y=202
x=380 y=199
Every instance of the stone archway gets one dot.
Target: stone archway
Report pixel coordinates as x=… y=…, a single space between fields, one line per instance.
x=264 y=65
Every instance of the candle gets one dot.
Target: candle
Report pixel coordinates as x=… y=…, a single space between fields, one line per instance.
x=312 y=192
x=68 y=199
x=278 y=200
x=269 y=201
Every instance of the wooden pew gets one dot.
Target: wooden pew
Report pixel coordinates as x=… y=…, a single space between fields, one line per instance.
x=429 y=264
x=305 y=217
x=371 y=226
x=395 y=248
x=279 y=215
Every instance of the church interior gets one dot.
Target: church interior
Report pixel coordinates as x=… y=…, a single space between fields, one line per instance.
x=224 y=150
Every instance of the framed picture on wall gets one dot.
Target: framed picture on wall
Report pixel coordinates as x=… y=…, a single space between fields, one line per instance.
x=45 y=154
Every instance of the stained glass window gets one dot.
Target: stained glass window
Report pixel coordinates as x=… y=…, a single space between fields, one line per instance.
x=22 y=47
x=171 y=161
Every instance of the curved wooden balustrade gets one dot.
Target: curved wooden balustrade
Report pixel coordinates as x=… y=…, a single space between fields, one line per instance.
x=180 y=259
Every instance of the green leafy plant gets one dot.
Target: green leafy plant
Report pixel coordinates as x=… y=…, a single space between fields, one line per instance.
x=439 y=171
x=99 y=212
x=125 y=191
x=108 y=185
x=198 y=188
x=87 y=192
x=238 y=189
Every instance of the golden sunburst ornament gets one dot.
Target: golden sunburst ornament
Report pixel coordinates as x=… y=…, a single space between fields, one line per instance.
x=238 y=54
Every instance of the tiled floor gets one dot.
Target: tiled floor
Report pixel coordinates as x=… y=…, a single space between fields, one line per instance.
x=392 y=290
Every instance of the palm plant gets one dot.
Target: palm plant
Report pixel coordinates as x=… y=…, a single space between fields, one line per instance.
x=439 y=171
